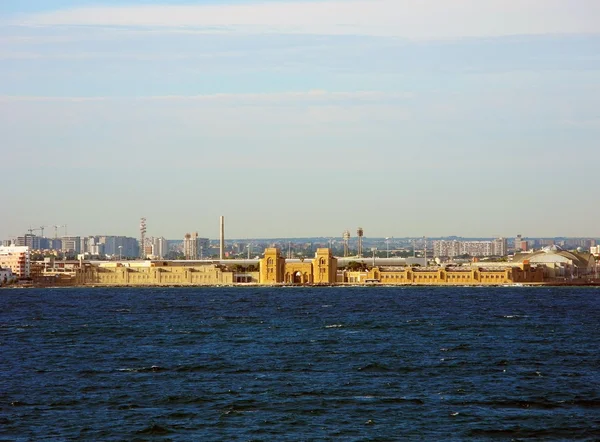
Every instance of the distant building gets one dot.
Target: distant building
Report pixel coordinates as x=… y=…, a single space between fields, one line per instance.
x=124 y=246
x=160 y=248
x=448 y=249
x=91 y=245
x=71 y=244
x=55 y=244
x=96 y=249
x=454 y=248
x=545 y=242
x=190 y=246
x=17 y=259
x=84 y=244
x=517 y=242
x=203 y=246
x=29 y=240
x=586 y=243
x=500 y=247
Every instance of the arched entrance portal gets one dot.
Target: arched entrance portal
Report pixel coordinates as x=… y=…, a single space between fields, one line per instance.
x=298 y=278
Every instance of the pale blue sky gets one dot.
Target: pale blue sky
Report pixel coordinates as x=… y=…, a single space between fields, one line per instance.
x=405 y=117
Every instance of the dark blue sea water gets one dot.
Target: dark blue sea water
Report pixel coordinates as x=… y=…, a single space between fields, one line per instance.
x=313 y=364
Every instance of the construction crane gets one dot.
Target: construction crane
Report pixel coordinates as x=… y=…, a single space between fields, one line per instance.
x=56 y=230
x=30 y=230
x=41 y=228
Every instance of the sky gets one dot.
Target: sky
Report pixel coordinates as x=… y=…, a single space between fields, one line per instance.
x=301 y=118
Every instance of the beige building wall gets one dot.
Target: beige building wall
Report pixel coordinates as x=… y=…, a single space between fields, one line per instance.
x=442 y=276
x=156 y=274
x=274 y=269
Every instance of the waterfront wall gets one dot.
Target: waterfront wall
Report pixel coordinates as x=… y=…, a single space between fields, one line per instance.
x=163 y=275
x=448 y=276
x=211 y=275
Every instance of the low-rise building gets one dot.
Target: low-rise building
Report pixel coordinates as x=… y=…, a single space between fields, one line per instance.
x=448 y=275
x=560 y=263
x=161 y=273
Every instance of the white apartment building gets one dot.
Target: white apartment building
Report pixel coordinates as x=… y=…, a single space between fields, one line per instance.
x=446 y=248
x=477 y=248
x=451 y=249
x=500 y=247
x=159 y=248
x=190 y=246
x=17 y=259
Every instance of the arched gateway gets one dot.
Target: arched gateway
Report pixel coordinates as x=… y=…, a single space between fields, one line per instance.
x=274 y=269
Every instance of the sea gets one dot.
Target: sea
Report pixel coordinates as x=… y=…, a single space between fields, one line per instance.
x=300 y=364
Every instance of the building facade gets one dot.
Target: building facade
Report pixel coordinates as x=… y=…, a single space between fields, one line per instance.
x=448 y=276
x=29 y=240
x=160 y=248
x=560 y=263
x=71 y=244
x=454 y=248
x=500 y=247
x=190 y=246
x=274 y=269
x=151 y=273
x=123 y=246
x=17 y=259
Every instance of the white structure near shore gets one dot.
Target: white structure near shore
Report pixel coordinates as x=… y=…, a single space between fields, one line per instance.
x=6 y=275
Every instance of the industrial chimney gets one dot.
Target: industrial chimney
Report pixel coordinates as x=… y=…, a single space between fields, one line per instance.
x=222 y=238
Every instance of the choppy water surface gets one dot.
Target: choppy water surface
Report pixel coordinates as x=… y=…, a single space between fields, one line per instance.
x=300 y=364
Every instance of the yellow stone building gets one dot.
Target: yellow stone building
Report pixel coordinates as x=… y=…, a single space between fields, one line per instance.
x=448 y=276
x=160 y=273
x=274 y=269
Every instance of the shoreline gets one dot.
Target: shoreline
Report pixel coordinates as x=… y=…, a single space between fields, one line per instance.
x=348 y=285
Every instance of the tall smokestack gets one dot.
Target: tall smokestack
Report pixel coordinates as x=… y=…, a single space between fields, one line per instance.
x=222 y=237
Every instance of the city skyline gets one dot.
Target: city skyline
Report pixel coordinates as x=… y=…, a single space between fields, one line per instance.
x=54 y=231
x=300 y=119
x=34 y=234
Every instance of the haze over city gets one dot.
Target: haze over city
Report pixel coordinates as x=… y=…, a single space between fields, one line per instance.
x=294 y=119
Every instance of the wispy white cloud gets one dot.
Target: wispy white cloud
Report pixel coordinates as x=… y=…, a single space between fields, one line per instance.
x=413 y=19
x=312 y=96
